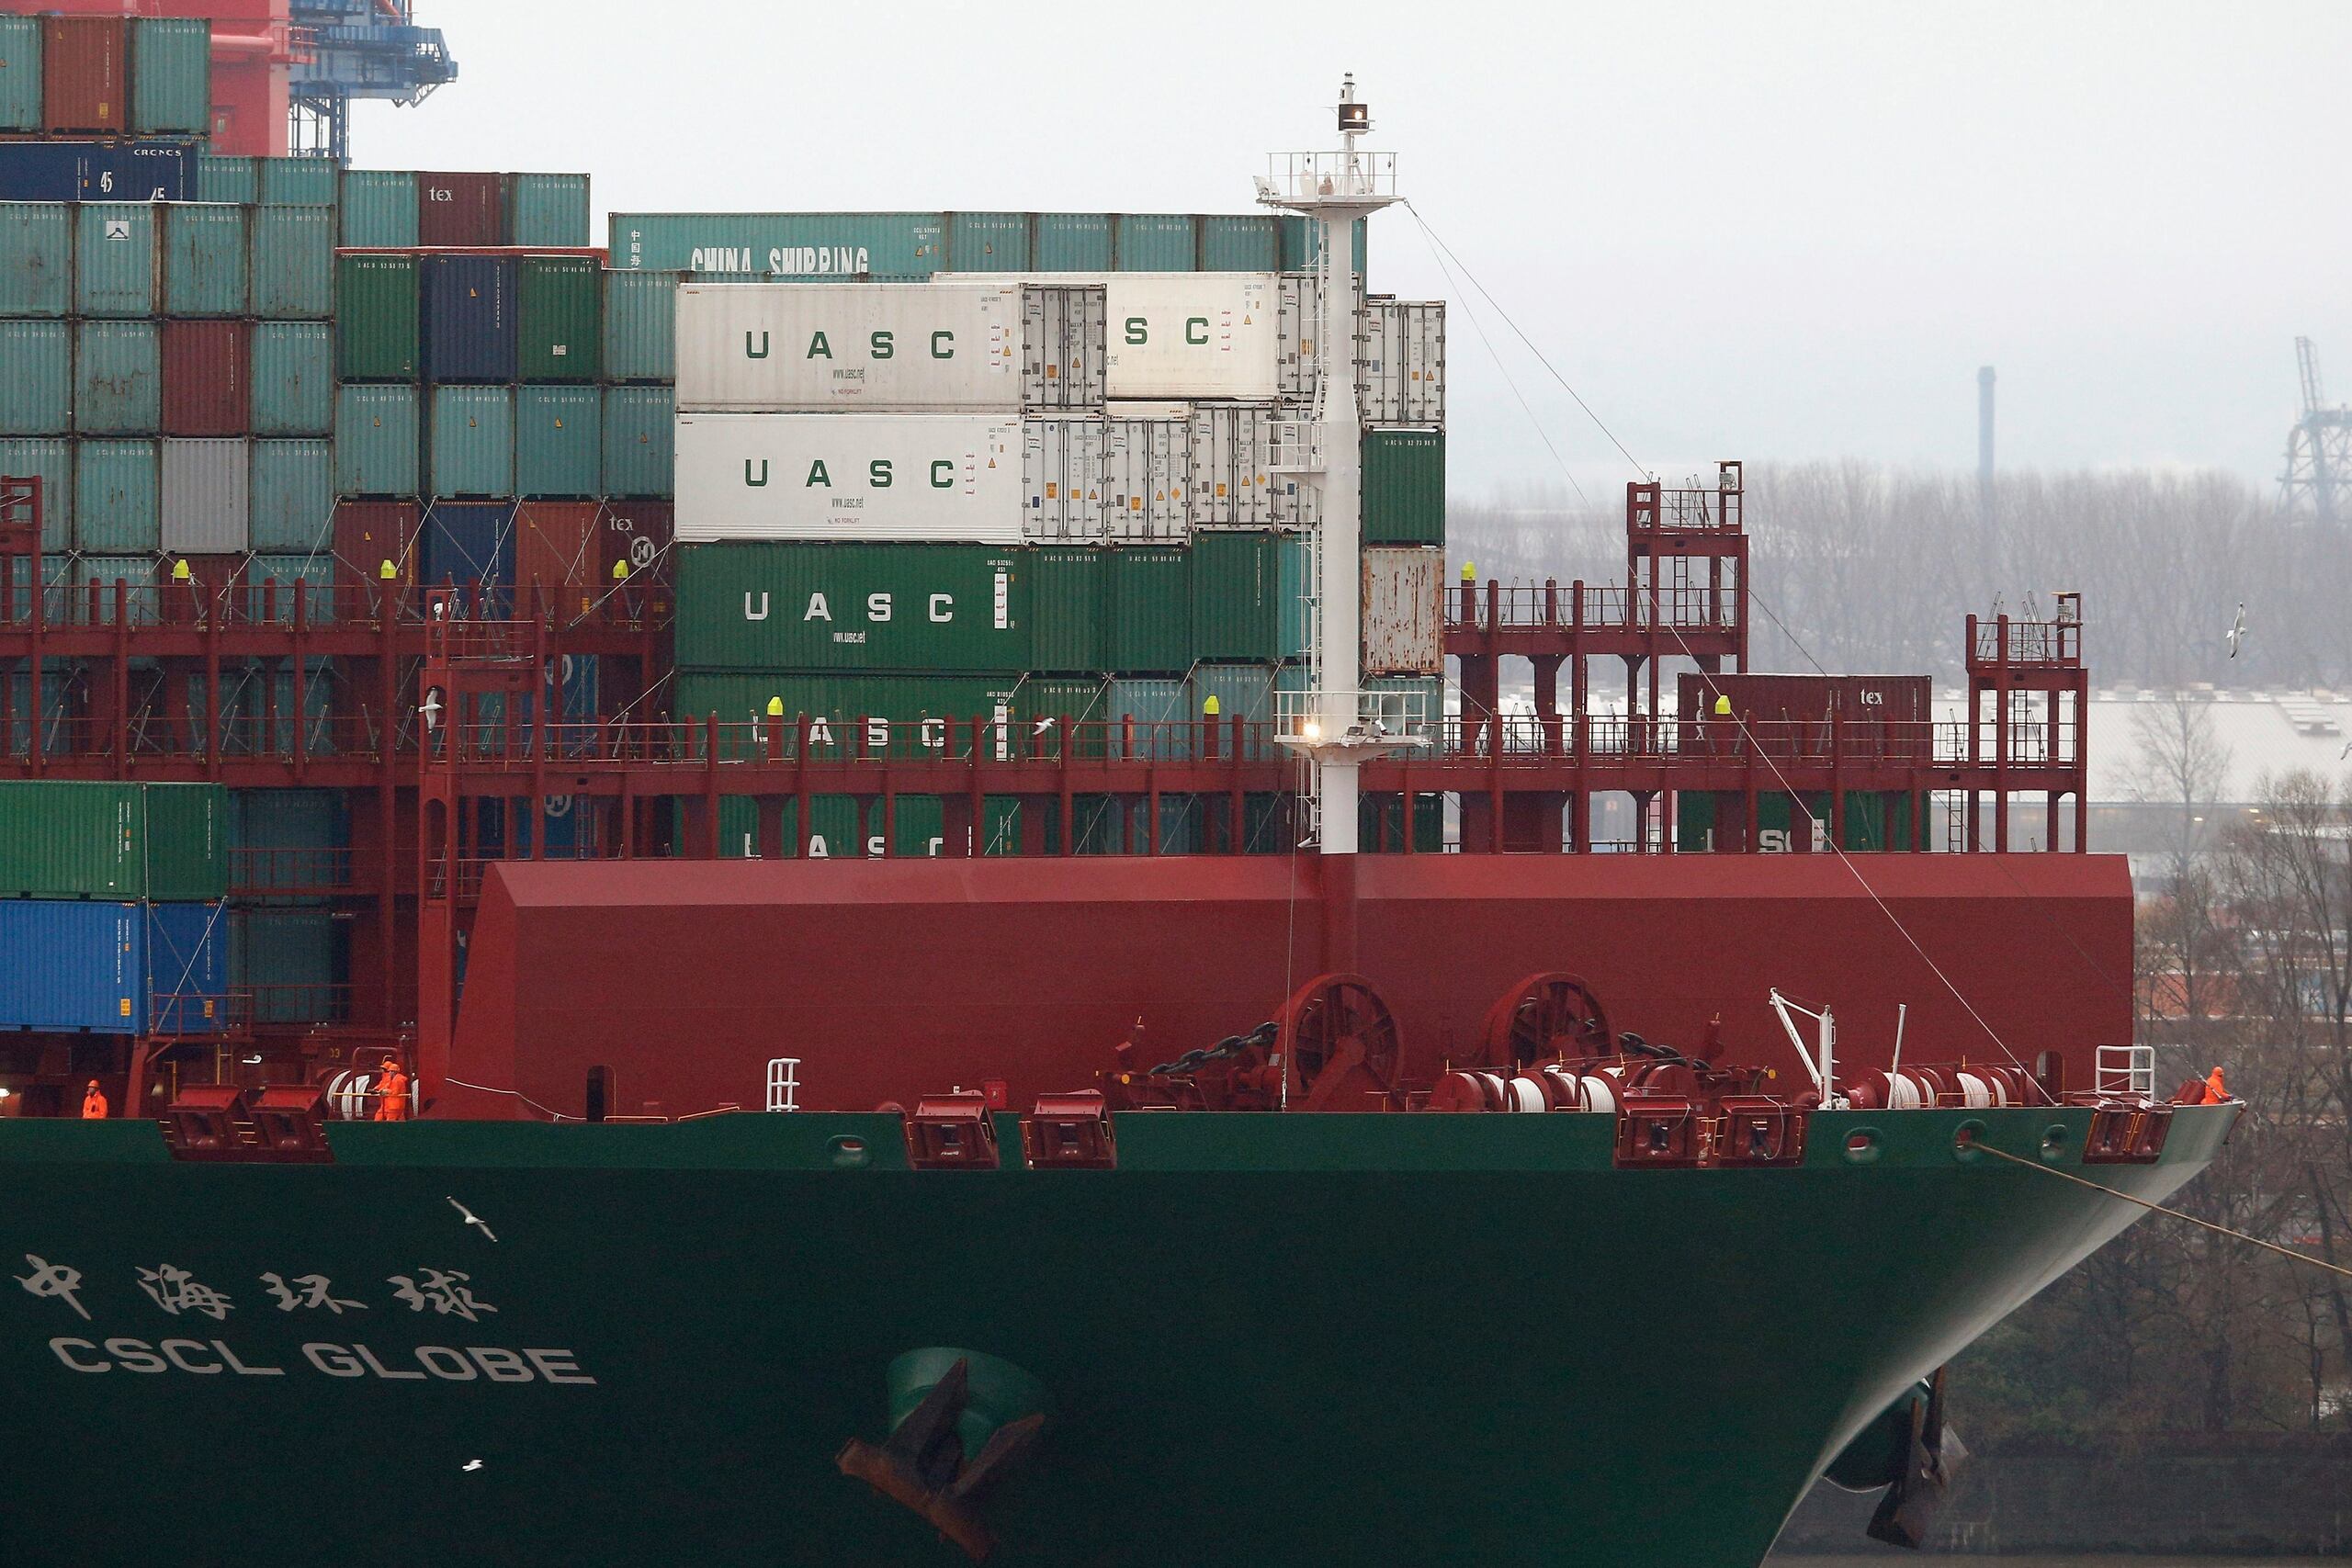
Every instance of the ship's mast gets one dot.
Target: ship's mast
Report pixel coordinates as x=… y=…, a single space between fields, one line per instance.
x=1331 y=724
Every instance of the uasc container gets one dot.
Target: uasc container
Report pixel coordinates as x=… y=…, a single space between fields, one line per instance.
x=852 y=607
x=1190 y=334
x=935 y=478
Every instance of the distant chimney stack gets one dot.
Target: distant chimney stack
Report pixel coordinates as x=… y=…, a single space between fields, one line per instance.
x=1984 y=442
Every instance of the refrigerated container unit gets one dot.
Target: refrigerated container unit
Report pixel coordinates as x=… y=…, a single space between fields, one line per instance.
x=1061 y=474
x=1233 y=483
x=1147 y=480
x=786 y=605
x=1400 y=366
x=1183 y=334
x=911 y=478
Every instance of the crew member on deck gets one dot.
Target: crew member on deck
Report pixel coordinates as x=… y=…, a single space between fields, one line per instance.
x=94 y=1103
x=392 y=1092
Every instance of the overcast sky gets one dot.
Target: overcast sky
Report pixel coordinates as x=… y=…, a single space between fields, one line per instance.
x=1763 y=230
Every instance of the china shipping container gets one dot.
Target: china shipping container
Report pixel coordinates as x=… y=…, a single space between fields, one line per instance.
x=548 y=209
x=556 y=551
x=117 y=378
x=1248 y=597
x=1403 y=611
x=1147 y=478
x=910 y=477
x=293 y=263
x=171 y=76
x=85 y=74
x=206 y=367
x=298 y=182
x=292 y=378
x=471 y=545
x=207 y=493
x=1188 y=335
x=368 y=534
x=236 y=180
x=36 y=260
x=116 y=590
x=787 y=244
x=205 y=263
x=558 y=301
x=471 y=439
x=378 y=208
x=20 y=74
x=640 y=313
x=111 y=968
x=96 y=171
x=114 y=500
x=48 y=459
x=1404 y=486
x=467 y=318
x=115 y=249
x=964 y=348
x=376 y=441
x=1400 y=366
x=37 y=394
x=460 y=209
x=1066 y=609
x=559 y=441
x=639 y=443
x=113 y=841
x=1147 y=591
x=293 y=496
x=376 y=316
x=919 y=244
x=853 y=606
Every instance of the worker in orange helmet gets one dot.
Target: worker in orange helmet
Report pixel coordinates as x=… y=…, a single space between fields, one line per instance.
x=94 y=1103
x=2216 y=1091
x=392 y=1092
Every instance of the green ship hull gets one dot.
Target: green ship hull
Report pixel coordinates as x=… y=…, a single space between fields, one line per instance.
x=1266 y=1340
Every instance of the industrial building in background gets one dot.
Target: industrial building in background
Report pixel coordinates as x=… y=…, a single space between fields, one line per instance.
x=2319 y=448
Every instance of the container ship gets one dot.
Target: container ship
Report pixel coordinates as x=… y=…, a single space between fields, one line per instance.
x=807 y=888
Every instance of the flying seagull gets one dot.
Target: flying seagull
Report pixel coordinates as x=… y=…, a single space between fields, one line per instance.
x=2346 y=752
x=471 y=1220
x=2237 y=629
x=470 y=1465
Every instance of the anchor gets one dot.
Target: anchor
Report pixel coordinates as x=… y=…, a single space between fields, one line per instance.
x=929 y=1463
x=1909 y=1451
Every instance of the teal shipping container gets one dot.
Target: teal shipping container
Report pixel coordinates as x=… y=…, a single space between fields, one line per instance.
x=559 y=441
x=299 y=182
x=228 y=179
x=293 y=964
x=376 y=441
x=472 y=441
x=1240 y=244
x=789 y=245
x=1153 y=717
x=986 y=241
x=116 y=498
x=20 y=74
x=293 y=379
x=171 y=76
x=639 y=442
x=204 y=259
x=1071 y=241
x=378 y=208
x=37 y=393
x=1302 y=243
x=115 y=247
x=293 y=267
x=293 y=496
x=548 y=209
x=1148 y=610
x=1156 y=242
x=51 y=460
x=641 y=325
x=36 y=258
x=117 y=378
x=103 y=575
x=309 y=577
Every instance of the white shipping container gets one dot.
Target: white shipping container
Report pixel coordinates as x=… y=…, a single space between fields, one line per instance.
x=1061 y=475
x=1302 y=318
x=206 y=490
x=1232 y=482
x=1183 y=334
x=1400 y=366
x=937 y=477
x=1404 y=611
x=900 y=347
x=1146 y=466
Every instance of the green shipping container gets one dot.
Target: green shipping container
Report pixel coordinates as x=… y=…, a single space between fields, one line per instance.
x=20 y=74
x=376 y=324
x=378 y=208
x=51 y=460
x=1874 y=821
x=204 y=259
x=376 y=441
x=917 y=706
x=1248 y=596
x=36 y=256
x=639 y=442
x=1404 y=486
x=293 y=963
x=559 y=441
x=293 y=265
x=776 y=605
x=117 y=378
x=548 y=209
x=641 y=325
x=293 y=496
x=117 y=508
x=37 y=392
x=472 y=441
x=1065 y=608
x=299 y=182
x=114 y=246
x=165 y=843
x=171 y=76
x=557 y=317
x=1147 y=609
x=228 y=179
x=917 y=824
x=293 y=379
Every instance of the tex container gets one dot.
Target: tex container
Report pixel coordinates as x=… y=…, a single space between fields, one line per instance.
x=117 y=378
x=292 y=378
x=236 y=180
x=376 y=441
x=1780 y=699
x=559 y=440
x=36 y=258
x=787 y=244
x=378 y=208
x=298 y=182
x=638 y=454
x=205 y=267
x=115 y=248
x=293 y=496
x=207 y=371
x=946 y=479
x=1403 y=611
x=637 y=535
x=1189 y=335
x=113 y=841
x=51 y=460
x=960 y=347
x=548 y=209
x=207 y=494
x=37 y=393
x=557 y=314
x=171 y=76
x=1148 y=610
x=1066 y=607
x=471 y=545
x=641 y=325
x=467 y=318
x=114 y=968
x=377 y=317
x=460 y=209
x=778 y=606
x=115 y=498
x=293 y=263
x=1404 y=486
x=1248 y=597
x=85 y=74
x=20 y=74
x=471 y=442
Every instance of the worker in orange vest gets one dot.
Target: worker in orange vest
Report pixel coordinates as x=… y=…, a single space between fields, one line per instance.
x=392 y=1092
x=2216 y=1091
x=94 y=1103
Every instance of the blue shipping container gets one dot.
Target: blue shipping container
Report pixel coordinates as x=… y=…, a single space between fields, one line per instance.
x=471 y=544
x=96 y=171
x=469 y=321
x=113 y=968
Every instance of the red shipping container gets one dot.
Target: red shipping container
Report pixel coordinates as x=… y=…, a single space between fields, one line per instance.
x=208 y=592
x=1811 y=699
x=370 y=533
x=207 y=379
x=84 y=82
x=555 y=555
x=460 y=209
x=640 y=533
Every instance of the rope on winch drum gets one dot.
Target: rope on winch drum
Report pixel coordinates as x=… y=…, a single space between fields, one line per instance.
x=2160 y=1209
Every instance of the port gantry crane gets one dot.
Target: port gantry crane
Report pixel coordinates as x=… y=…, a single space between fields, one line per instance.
x=344 y=50
x=2319 y=449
